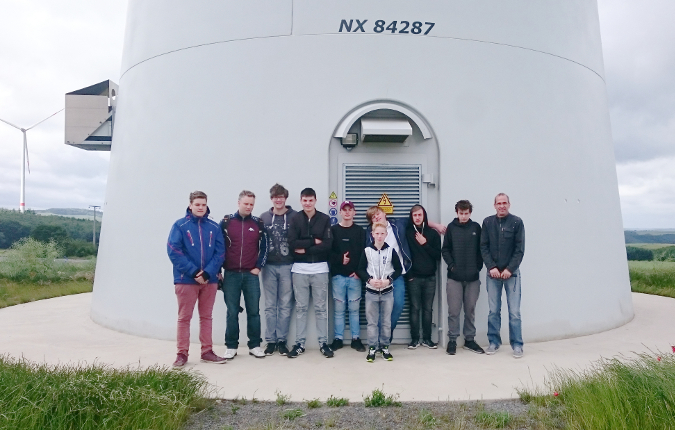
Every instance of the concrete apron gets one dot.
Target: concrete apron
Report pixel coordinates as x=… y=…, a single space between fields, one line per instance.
x=59 y=330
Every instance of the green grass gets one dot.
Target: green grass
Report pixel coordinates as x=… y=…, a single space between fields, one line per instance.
x=497 y=420
x=282 y=399
x=637 y=393
x=653 y=277
x=96 y=397
x=314 y=403
x=14 y=293
x=336 y=402
x=291 y=414
x=651 y=246
x=378 y=399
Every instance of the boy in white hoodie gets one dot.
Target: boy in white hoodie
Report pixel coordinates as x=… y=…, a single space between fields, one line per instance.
x=379 y=266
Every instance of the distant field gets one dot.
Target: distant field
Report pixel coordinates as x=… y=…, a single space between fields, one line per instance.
x=650 y=245
x=653 y=277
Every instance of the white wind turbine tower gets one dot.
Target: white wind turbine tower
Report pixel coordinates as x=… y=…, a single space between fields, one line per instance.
x=24 y=158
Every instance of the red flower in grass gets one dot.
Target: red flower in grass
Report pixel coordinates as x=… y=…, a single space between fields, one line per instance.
x=555 y=394
x=658 y=358
x=673 y=346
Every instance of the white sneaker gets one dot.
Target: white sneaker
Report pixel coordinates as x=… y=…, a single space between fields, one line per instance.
x=256 y=352
x=492 y=349
x=518 y=352
x=229 y=354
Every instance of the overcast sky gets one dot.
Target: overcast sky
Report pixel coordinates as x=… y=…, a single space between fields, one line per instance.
x=49 y=48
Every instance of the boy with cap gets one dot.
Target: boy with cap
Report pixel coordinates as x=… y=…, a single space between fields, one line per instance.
x=349 y=240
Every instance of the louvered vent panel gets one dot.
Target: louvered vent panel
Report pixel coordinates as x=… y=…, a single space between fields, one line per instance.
x=364 y=185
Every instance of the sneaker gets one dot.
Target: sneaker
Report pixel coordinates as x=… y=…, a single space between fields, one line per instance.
x=413 y=344
x=337 y=344
x=451 y=348
x=492 y=349
x=181 y=360
x=371 y=354
x=358 y=345
x=471 y=345
x=518 y=352
x=257 y=352
x=326 y=351
x=386 y=354
x=230 y=354
x=211 y=357
x=429 y=344
x=270 y=348
x=282 y=348
x=297 y=350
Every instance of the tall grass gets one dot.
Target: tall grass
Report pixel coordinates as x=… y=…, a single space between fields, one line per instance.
x=43 y=397
x=32 y=261
x=653 y=277
x=636 y=393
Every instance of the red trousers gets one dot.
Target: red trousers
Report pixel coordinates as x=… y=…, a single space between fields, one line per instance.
x=188 y=295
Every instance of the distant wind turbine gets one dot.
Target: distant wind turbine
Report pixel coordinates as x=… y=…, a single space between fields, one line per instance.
x=24 y=159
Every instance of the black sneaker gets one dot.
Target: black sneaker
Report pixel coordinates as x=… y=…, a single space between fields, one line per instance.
x=270 y=348
x=386 y=354
x=371 y=354
x=282 y=348
x=297 y=350
x=326 y=351
x=358 y=345
x=337 y=344
x=452 y=348
x=471 y=345
x=429 y=344
x=413 y=344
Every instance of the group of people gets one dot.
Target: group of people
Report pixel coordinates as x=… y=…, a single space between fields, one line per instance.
x=296 y=254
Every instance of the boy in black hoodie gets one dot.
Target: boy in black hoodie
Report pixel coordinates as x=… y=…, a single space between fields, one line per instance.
x=425 y=247
x=461 y=251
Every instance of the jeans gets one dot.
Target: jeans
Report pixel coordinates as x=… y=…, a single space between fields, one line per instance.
x=494 y=290
x=318 y=283
x=399 y=301
x=421 y=292
x=278 y=291
x=235 y=284
x=346 y=292
x=378 y=313
x=188 y=295
x=462 y=293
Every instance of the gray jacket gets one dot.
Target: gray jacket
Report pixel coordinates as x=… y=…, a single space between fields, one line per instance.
x=502 y=242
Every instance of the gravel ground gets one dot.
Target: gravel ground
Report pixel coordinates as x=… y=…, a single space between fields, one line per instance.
x=242 y=414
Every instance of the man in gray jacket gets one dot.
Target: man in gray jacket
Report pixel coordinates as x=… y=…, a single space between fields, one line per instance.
x=502 y=246
x=276 y=274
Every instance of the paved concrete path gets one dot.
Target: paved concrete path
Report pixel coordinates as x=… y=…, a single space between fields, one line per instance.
x=60 y=331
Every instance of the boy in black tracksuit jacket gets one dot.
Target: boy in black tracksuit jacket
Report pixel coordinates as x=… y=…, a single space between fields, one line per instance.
x=461 y=251
x=425 y=249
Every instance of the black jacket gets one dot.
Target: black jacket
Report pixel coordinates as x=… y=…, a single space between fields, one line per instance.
x=301 y=235
x=502 y=242
x=461 y=250
x=346 y=239
x=425 y=257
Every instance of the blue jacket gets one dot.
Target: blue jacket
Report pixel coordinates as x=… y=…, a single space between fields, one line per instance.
x=398 y=226
x=195 y=244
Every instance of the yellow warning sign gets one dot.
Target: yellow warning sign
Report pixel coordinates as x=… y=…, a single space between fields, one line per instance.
x=333 y=196
x=385 y=204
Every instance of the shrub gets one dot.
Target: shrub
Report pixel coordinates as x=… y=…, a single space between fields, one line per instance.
x=79 y=248
x=282 y=399
x=378 y=399
x=44 y=397
x=314 y=403
x=639 y=254
x=336 y=402
x=11 y=231
x=665 y=254
x=30 y=260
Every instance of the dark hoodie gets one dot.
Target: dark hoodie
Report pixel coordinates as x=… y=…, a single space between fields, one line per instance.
x=425 y=257
x=461 y=250
x=277 y=227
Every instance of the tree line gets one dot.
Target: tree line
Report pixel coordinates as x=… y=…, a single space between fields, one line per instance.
x=72 y=235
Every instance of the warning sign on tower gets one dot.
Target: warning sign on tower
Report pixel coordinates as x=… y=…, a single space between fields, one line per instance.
x=385 y=204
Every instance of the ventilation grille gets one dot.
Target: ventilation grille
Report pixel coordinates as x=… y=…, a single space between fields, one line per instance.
x=365 y=183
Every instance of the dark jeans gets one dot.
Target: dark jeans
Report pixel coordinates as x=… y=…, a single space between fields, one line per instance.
x=235 y=284
x=421 y=292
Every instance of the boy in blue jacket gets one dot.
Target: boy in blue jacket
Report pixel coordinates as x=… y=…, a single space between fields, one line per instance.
x=197 y=250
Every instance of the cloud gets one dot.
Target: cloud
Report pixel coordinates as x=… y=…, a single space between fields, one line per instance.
x=640 y=71
x=647 y=191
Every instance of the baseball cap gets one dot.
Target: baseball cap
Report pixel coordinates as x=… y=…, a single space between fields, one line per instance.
x=347 y=203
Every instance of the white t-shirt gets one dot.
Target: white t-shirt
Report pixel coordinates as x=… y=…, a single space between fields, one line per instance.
x=391 y=241
x=310 y=268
